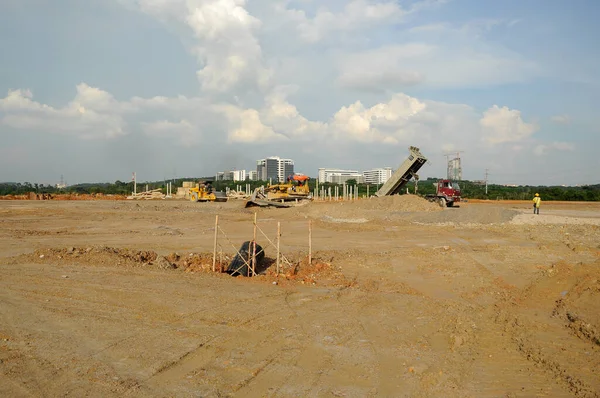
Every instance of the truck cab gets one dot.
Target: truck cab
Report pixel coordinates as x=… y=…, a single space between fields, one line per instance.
x=447 y=192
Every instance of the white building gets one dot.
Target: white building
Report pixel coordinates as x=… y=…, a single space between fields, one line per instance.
x=239 y=175
x=339 y=176
x=274 y=169
x=252 y=175
x=232 y=175
x=377 y=176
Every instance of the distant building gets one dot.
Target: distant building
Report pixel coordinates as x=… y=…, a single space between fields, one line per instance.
x=377 y=176
x=454 y=169
x=339 y=176
x=252 y=175
x=232 y=175
x=274 y=169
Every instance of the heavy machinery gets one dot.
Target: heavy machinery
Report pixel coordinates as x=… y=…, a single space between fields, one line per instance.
x=294 y=191
x=447 y=193
x=203 y=192
x=405 y=172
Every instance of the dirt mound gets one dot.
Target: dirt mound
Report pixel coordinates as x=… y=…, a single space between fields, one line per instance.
x=467 y=215
x=411 y=203
x=99 y=255
x=319 y=272
x=374 y=207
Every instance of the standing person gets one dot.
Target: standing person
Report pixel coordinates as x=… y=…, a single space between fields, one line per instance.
x=536 y=203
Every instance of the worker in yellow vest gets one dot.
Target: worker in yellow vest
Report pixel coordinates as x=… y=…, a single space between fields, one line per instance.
x=536 y=203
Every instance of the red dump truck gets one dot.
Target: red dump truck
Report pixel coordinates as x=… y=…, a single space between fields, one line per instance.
x=446 y=194
x=447 y=191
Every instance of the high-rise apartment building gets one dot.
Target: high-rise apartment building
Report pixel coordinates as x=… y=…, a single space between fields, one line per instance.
x=274 y=169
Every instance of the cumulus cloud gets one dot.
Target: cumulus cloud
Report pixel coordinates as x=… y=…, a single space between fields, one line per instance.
x=502 y=125
x=384 y=122
x=309 y=75
x=225 y=43
x=286 y=120
x=96 y=120
x=247 y=127
x=94 y=113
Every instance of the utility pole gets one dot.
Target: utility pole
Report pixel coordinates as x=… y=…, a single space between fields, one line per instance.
x=486 y=181
x=134 y=183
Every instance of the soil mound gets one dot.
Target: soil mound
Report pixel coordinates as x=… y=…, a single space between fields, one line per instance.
x=412 y=203
x=319 y=272
x=358 y=210
x=467 y=215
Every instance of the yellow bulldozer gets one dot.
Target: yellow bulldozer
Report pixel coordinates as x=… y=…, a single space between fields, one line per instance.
x=204 y=192
x=295 y=190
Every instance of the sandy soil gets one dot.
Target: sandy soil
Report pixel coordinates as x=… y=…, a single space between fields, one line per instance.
x=402 y=299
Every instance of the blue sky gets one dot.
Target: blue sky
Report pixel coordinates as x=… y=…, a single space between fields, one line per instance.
x=94 y=90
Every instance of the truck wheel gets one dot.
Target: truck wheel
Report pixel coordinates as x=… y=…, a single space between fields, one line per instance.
x=442 y=202
x=194 y=197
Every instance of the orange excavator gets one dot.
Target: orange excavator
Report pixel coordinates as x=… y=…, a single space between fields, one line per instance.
x=294 y=191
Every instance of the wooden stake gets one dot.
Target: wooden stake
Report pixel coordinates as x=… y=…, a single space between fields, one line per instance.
x=254 y=248
x=215 y=242
x=309 y=242
x=278 y=238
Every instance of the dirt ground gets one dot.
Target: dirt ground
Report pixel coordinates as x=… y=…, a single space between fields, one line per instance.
x=402 y=299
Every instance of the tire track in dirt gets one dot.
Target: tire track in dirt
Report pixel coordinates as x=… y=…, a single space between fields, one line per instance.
x=548 y=355
x=191 y=360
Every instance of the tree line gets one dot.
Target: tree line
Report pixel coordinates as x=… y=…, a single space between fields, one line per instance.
x=470 y=190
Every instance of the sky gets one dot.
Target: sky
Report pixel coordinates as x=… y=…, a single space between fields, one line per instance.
x=94 y=90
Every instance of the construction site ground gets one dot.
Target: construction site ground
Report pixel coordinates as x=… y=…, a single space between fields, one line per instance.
x=402 y=298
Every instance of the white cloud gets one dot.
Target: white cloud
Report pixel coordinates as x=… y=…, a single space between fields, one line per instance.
x=286 y=120
x=501 y=125
x=544 y=149
x=326 y=77
x=247 y=127
x=356 y=15
x=18 y=100
x=384 y=122
x=561 y=119
x=225 y=43
x=387 y=127
x=97 y=120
